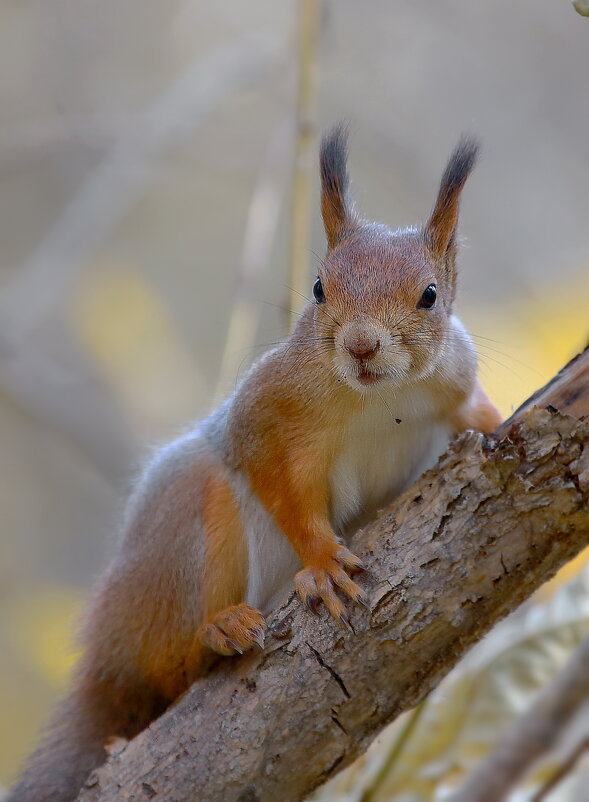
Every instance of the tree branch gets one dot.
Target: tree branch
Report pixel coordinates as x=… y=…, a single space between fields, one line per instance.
x=470 y=541
x=533 y=734
x=565 y=769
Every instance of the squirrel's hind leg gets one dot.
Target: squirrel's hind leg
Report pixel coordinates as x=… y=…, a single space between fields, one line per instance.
x=229 y=625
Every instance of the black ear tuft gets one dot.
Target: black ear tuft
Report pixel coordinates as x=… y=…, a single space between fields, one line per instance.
x=460 y=164
x=336 y=209
x=333 y=159
x=440 y=230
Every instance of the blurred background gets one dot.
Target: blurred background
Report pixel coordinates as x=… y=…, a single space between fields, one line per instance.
x=148 y=155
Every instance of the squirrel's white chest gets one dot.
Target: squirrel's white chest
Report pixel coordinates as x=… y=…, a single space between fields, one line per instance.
x=381 y=457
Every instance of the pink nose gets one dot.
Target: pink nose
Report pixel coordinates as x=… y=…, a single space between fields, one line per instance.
x=362 y=347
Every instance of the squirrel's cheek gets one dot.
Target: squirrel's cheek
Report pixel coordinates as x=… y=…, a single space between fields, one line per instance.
x=399 y=358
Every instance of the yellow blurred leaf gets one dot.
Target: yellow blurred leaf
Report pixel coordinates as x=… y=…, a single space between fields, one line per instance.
x=522 y=347
x=127 y=329
x=41 y=625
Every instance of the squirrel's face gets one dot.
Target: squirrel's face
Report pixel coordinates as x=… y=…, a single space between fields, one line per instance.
x=386 y=304
x=386 y=298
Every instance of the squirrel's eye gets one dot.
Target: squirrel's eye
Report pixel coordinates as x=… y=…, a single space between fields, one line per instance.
x=318 y=293
x=428 y=298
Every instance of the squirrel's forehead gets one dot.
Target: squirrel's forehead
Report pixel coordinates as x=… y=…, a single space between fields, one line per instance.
x=382 y=268
x=387 y=255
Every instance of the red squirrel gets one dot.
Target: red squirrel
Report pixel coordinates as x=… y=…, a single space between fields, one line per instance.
x=364 y=395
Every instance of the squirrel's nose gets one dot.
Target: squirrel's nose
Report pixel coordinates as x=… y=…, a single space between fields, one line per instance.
x=362 y=346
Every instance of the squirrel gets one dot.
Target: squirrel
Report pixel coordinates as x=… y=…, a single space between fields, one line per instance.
x=364 y=395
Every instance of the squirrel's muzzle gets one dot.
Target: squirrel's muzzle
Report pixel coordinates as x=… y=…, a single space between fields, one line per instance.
x=361 y=341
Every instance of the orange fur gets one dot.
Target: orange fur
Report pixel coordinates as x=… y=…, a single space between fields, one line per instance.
x=172 y=659
x=233 y=630
x=226 y=552
x=478 y=413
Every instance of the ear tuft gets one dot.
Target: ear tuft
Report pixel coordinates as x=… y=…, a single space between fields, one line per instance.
x=337 y=211
x=440 y=230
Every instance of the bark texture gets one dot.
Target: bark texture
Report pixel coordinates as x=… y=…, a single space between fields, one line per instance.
x=470 y=541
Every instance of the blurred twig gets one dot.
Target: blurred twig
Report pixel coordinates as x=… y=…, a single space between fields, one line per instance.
x=308 y=34
x=21 y=145
x=260 y=233
x=371 y=793
x=54 y=390
x=562 y=771
x=119 y=180
x=533 y=734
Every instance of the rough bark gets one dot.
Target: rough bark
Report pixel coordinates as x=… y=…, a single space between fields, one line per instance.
x=470 y=541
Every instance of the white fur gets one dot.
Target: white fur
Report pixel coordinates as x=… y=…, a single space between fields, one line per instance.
x=383 y=457
x=272 y=560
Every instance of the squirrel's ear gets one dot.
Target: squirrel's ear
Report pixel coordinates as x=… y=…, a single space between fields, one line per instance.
x=440 y=229
x=337 y=210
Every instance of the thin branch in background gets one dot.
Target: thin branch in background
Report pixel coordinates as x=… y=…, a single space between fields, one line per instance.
x=22 y=145
x=532 y=735
x=371 y=793
x=59 y=391
x=117 y=183
x=260 y=235
x=563 y=771
x=300 y=226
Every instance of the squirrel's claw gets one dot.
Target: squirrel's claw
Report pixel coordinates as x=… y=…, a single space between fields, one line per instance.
x=258 y=636
x=347 y=623
x=349 y=560
x=312 y=603
x=321 y=583
x=362 y=599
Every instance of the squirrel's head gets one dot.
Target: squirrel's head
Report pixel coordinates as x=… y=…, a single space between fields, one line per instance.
x=386 y=296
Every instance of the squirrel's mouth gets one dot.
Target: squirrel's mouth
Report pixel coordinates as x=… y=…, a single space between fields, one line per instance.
x=367 y=377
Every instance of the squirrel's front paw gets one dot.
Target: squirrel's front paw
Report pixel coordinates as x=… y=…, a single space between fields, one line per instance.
x=234 y=630
x=318 y=583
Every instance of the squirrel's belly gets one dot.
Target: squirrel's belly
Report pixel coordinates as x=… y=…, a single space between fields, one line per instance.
x=380 y=462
